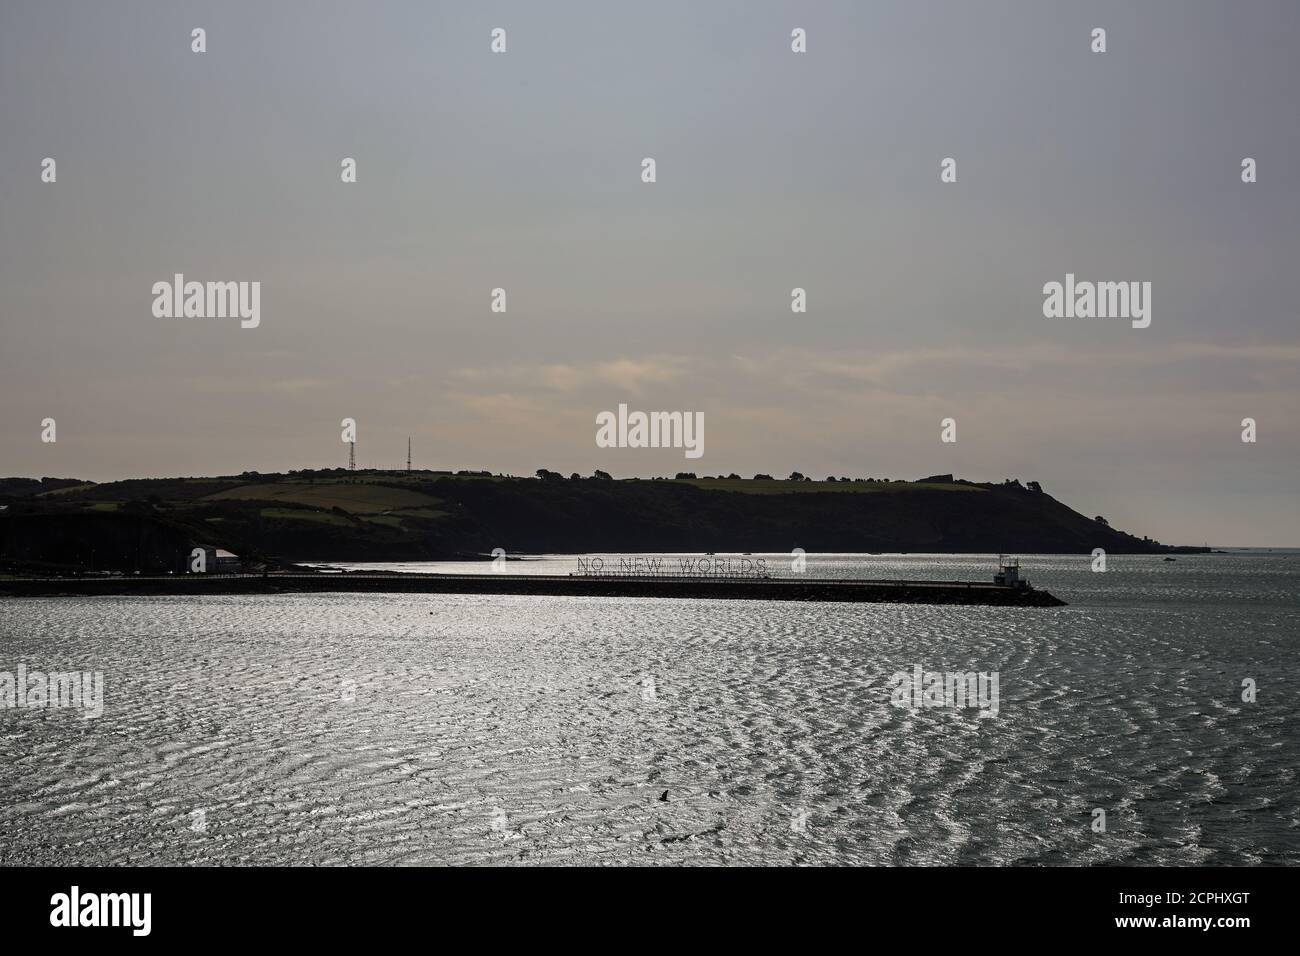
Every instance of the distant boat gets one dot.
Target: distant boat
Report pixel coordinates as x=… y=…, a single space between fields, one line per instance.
x=1171 y=559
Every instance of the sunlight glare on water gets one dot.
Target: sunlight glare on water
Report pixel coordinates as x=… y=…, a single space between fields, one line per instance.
x=404 y=728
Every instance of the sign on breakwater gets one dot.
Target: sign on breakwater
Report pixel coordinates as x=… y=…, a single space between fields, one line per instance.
x=657 y=566
x=630 y=585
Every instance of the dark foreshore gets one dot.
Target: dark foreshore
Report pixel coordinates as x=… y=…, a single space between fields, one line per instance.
x=755 y=589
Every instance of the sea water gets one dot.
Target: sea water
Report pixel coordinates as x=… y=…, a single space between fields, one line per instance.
x=1154 y=720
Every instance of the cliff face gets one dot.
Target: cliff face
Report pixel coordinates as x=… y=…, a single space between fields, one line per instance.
x=151 y=525
x=673 y=516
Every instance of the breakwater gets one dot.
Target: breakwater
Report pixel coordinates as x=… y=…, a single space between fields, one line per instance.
x=754 y=589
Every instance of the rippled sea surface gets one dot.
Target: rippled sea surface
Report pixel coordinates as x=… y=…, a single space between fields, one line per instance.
x=414 y=729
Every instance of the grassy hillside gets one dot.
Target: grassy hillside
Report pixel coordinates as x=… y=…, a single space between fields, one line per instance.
x=356 y=497
x=428 y=515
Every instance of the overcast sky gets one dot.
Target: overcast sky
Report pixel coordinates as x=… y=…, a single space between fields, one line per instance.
x=522 y=171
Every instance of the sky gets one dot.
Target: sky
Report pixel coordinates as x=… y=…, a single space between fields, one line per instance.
x=775 y=170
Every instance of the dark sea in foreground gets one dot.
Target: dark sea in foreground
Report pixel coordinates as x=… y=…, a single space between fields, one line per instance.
x=425 y=729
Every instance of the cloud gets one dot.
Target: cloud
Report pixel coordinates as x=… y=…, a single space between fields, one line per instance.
x=632 y=375
x=817 y=371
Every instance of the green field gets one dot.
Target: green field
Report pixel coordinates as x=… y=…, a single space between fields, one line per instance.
x=391 y=521
x=357 y=498
x=423 y=513
x=415 y=477
x=302 y=514
x=63 y=491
